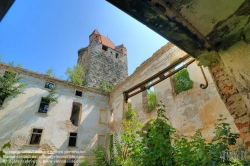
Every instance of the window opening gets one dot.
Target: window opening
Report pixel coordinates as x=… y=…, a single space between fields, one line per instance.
x=72 y=139
x=49 y=85
x=70 y=162
x=29 y=161
x=116 y=55
x=103 y=116
x=181 y=80
x=111 y=115
x=111 y=142
x=149 y=99
x=101 y=140
x=75 y=114
x=36 y=136
x=104 y=48
x=78 y=93
x=44 y=106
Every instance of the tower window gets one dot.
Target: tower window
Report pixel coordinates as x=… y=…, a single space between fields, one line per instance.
x=104 y=48
x=36 y=136
x=72 y=139
x=116 y=55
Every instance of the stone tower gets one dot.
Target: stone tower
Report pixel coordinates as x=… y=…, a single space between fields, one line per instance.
x=102 y=61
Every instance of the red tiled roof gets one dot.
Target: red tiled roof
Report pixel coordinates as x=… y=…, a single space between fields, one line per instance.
x=107 y=42
x=95 y=32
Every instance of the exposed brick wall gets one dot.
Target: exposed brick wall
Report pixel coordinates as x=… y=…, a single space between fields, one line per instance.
x=232 y=99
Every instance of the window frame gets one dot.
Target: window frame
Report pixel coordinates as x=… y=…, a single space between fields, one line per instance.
x=32 y=133
x=50 y=83
x=42 y=102
x=72 y=137
x=78 y=91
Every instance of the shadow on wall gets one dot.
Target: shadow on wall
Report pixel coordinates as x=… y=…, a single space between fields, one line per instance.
x=18 y=118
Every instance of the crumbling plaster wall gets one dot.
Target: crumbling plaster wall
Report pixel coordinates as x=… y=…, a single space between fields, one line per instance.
x=188 y=111
x=18 y=116
x=232 y=78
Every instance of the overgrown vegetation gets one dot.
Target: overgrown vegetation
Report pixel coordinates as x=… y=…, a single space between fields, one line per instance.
x=76 y=75
x=50 y=72
x=152 y=103
x=106 y=87
x=51 y=97
x=6 y=145
x=129 y=113
x=160 y=145
x=182 y=81
x=9 y=86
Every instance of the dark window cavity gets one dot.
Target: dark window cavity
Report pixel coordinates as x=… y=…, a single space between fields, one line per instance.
x=36 y=136
x=104 y=48
x=78 y=93
x=44 y=106
x=75 y=114
x=49 y=85
x=72 y=139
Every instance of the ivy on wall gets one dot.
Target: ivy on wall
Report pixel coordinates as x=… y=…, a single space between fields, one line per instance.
x=182 y=81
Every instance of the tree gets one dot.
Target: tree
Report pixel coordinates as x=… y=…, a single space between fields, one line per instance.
x=76 y=75
x=9 y=86
x=50 y=72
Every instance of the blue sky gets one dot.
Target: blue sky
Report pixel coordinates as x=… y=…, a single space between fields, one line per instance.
x=43 y=34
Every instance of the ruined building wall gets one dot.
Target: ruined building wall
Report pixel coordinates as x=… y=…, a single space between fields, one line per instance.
x=102 y=65
x=19 y=116
x=231 y=75
x=188 y=111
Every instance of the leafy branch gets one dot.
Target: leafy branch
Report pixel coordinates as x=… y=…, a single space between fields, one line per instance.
x=9 y=86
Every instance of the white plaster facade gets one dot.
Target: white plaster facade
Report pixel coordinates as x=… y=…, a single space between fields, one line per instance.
x=19 y=116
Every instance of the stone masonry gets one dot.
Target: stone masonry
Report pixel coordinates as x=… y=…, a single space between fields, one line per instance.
x=103 y=62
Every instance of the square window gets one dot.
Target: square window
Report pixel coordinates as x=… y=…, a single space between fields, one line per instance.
x=36 y=136
x=78 y=93
x=44 y=106
x=72 y=139
x=49 y=85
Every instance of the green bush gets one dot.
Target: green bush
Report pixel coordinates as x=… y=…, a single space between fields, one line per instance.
x=182 y=81
x=162 y=146
x=152 y=103
x=51 y=96
x=76 y=75
x=107 y=87
x=129 y=113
